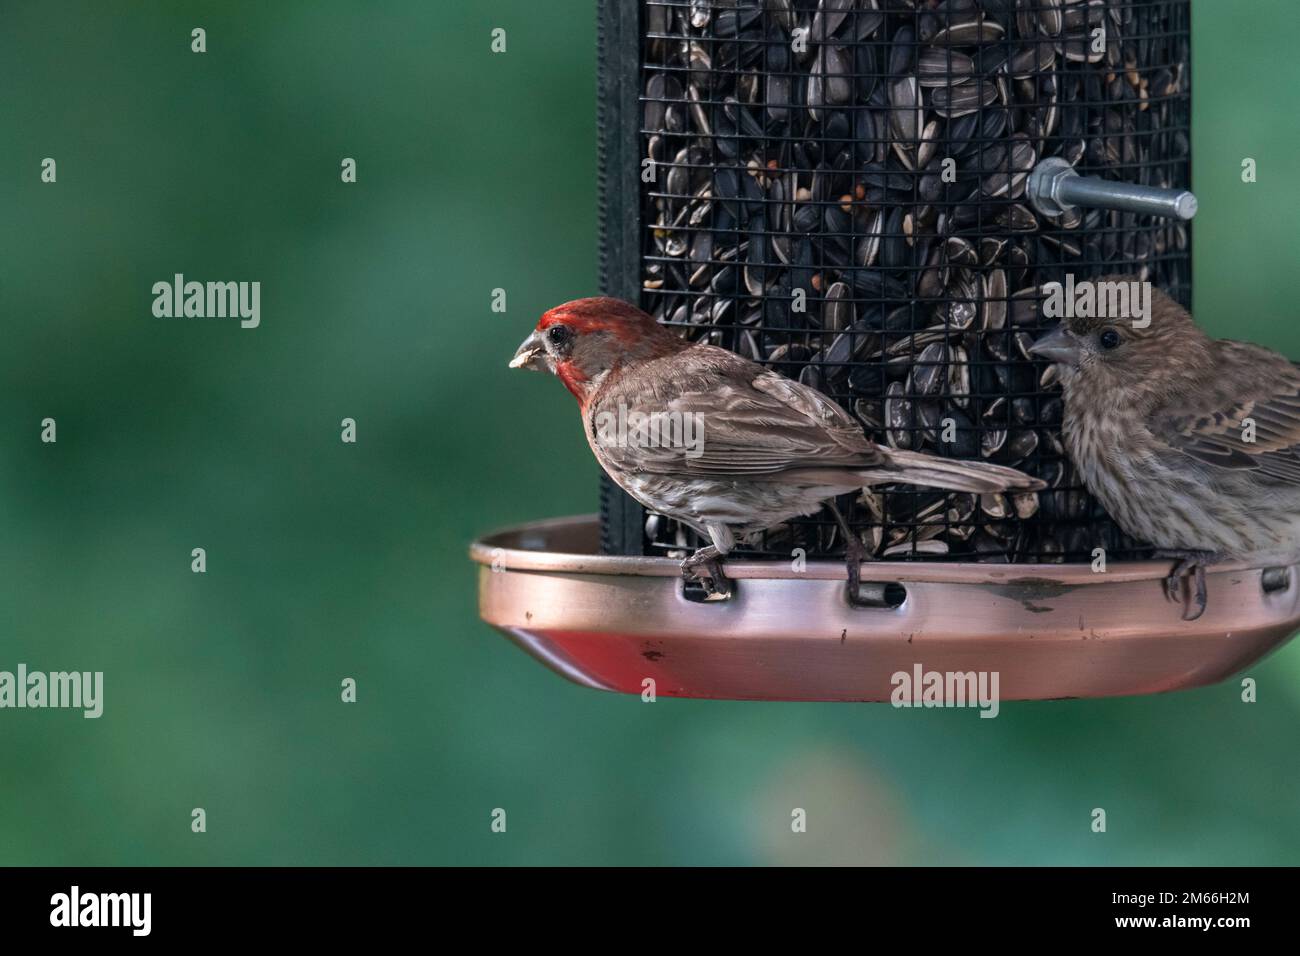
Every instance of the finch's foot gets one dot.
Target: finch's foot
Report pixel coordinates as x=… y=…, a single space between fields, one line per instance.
x=854 y=554
x=1189 y=567
x=705 y=566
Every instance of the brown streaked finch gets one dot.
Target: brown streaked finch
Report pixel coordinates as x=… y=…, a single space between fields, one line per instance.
x=1192 y=444
x=745 y=448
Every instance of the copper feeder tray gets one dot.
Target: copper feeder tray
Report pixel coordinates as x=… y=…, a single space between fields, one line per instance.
x=1049 y=630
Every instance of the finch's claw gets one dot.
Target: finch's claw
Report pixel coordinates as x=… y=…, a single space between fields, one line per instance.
x=1200 y=595
x=705 y=567
x=1190 y=567
x=716 y=584
x=854 y=554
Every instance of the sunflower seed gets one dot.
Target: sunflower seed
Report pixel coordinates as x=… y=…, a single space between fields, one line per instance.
x=900 y=416
x=951 y=102
x=907 y=117
x=973 y=30
x=837 y=312
x=943 y=67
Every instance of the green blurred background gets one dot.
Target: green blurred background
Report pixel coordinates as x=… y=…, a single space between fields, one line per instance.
x=328 y=560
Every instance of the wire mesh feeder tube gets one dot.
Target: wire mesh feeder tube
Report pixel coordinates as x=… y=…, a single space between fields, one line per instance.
x=839 y=190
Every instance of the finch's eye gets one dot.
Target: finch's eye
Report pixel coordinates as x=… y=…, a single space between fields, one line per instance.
x=557 y=335
x=1109 y=339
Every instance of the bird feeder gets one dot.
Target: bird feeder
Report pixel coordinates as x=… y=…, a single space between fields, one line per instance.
x=870 y=196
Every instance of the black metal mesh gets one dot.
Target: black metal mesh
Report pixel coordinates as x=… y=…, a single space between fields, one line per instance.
x=784 y=179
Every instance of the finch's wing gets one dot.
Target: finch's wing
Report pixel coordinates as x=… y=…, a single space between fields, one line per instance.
x=1255 y=421
x=734 y=419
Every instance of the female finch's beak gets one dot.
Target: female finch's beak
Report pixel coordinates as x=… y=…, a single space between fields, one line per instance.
x=527 y=353
x=1058 y=345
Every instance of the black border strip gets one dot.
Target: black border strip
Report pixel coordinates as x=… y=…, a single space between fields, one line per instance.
x=618 y=86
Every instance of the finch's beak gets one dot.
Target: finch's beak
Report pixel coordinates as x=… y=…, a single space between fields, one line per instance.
x=527 y=353
x=1058 y=345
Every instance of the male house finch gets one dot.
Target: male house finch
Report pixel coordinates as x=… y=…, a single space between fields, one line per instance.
x=771 y=448
x=1192 y=444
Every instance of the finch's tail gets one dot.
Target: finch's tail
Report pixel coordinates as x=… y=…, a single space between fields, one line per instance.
x=919 y=468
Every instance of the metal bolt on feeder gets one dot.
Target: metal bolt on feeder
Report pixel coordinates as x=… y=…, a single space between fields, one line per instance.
x=870 y=196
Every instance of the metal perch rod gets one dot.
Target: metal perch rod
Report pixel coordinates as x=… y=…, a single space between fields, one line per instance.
x=1055 y=188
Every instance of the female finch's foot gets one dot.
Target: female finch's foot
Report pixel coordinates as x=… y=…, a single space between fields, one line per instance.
x=705 y=566
x=854 y=554
x=1190 y=567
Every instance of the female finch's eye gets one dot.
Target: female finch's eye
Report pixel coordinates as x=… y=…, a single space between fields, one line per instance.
x=1109 y=339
